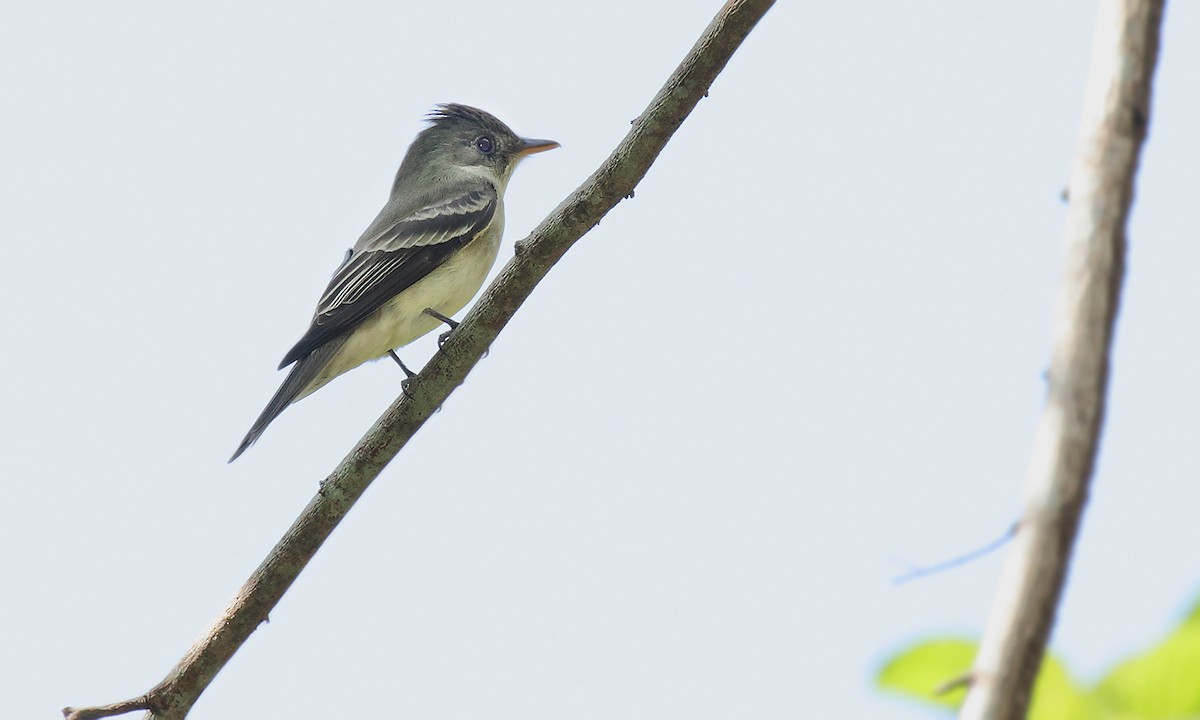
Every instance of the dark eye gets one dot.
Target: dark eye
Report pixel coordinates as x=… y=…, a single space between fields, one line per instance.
x=485 y=145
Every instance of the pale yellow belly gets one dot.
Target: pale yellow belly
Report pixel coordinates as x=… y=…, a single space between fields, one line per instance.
x=402 y=319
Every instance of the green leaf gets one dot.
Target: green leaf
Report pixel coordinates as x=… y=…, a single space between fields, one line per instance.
x=1193 y=616
x=1056 y=696
x=919 y=671
x=1162 y=683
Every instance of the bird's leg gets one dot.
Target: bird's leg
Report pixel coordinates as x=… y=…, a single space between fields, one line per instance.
x=452 y=323
x=408 y=380
x=403 y=367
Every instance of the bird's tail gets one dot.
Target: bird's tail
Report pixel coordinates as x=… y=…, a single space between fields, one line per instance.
x=299 y=378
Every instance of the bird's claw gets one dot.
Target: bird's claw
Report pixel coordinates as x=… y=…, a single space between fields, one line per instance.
x=449 y=321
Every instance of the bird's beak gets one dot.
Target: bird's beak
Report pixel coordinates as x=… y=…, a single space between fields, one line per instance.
x=529 y=146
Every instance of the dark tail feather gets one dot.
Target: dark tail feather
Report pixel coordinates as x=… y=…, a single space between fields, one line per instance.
x=299 y=377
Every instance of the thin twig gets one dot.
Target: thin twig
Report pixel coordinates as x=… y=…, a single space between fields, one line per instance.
x=103 y=711
x=954 y=683
x=1115 y=117
x=916 y=572
x=614 y=180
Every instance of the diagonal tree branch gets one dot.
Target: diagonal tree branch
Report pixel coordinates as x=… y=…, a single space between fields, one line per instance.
x=1115 y=119
x=616 y=179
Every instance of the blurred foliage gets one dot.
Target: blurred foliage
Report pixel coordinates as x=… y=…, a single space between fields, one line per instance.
x=1162 y=683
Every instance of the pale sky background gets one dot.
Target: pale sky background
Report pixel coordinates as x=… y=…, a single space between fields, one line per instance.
x=808 y=351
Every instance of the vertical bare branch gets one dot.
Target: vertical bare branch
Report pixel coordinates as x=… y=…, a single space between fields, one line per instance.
x=1115 y=118
x=172 y=698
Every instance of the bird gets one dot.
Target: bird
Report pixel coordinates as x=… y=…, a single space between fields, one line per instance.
x=419 y=262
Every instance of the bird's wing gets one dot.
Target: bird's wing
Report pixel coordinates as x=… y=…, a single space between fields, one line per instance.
x=391 y=260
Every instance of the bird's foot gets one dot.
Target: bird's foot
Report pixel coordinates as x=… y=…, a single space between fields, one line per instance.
x=452 y=323
x=406 y=383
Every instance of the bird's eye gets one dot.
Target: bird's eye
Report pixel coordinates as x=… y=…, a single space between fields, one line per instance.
x=485 y=145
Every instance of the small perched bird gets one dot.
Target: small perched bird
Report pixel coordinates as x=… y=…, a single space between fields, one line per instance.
x=423 y=258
